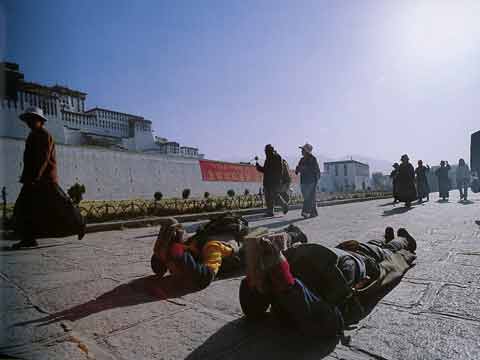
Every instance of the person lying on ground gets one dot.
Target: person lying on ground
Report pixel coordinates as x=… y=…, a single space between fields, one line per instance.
x=216 y=248
x=321 y=290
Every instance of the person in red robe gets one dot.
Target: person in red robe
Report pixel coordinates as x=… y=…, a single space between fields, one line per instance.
x=42 y=208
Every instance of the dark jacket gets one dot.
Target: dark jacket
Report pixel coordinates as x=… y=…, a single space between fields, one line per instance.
x=308 y=169
x=39 y=159
x=272 y=170
x=405 y=185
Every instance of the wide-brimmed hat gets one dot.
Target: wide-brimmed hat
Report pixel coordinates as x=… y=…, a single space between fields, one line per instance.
x=32 y=113
x=307 y=148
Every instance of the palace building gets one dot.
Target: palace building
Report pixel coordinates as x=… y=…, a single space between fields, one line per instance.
x=71 y=124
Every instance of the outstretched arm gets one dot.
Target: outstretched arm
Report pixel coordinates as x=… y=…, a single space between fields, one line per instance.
x=259 y=167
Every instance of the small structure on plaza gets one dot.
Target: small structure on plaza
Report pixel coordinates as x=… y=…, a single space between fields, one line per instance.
x=346 y=175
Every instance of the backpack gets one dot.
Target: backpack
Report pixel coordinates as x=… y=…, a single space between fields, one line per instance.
x=220 y=224
x=475 y=186
x=286 y=179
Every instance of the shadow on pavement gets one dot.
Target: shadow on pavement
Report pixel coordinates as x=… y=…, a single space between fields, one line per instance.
x=388 y=204
x=442 y=201
x=282 y=223
x=39 y=247
x=398 y=210
x=241 y=339
x=139 y=291
x=466 y=202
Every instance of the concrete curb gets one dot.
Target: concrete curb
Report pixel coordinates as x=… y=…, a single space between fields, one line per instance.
x=157 y=220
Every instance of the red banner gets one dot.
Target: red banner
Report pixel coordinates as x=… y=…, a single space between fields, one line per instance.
x=223 y=171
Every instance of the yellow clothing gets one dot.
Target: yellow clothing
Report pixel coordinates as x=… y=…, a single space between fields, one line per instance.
x=212 y=254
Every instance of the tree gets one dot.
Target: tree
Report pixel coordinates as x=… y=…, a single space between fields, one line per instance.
x=158 y=196
x=185 y=194
x=76 y=192
x=231 y=193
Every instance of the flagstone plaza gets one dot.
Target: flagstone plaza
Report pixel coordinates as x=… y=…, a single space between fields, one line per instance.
x=97 y=298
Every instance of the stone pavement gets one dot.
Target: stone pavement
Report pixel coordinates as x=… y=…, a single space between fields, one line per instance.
x=91 y=299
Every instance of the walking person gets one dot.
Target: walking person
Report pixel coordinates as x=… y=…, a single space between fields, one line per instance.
x=394 y=177
x=463 y=179
x=423 y=189
x=309 y=175
x=42 y=209
x=272 y=180
x=406 y=181
x=443 y=180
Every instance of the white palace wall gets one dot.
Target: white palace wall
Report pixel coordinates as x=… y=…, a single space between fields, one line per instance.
x=109 y=174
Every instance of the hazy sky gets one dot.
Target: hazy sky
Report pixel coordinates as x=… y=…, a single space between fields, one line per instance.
x=376 y=78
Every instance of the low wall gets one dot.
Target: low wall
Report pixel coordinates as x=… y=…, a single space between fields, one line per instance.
x=109 y=174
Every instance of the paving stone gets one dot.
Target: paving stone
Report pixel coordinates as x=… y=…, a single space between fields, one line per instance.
x=458 y=301
x=392 y=334
x=407 y=294
x=101 y=290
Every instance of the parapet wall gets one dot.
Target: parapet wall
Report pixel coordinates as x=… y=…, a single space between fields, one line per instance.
x=109 y=174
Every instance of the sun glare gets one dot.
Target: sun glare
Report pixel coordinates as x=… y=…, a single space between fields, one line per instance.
x=441 y=31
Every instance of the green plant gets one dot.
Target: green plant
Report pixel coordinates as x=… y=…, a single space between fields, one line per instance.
x=185 y=194
x=76 y=192
x=158 y=196
x=206 y=195
x=231 y=193
x=246 y=192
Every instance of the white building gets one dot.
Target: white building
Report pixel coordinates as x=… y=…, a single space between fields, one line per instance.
x=347 y=175
x=71 y=124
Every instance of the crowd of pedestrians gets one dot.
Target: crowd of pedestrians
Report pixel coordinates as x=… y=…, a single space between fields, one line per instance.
x=411 y=184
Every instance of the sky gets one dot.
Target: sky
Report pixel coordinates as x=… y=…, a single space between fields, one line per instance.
x=370 y=78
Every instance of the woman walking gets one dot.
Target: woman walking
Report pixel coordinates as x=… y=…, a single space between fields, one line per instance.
x=423 y=189
x=463 y=179
x=443 y=180
x=394 y=177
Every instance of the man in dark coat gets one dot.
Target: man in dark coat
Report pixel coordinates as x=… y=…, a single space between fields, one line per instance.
x=272 y=180
x=406 y=182
x=42 y=208
x=309 y=175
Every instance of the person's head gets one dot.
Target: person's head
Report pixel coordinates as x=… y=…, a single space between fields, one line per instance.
x=306 y=149
x=395 y=166
x=389 y=234
x=269 y=150
x=420 y=163
x=33 y=117
x=404 y=159
x=442 y=163
x=461 y=162
x=171 y=231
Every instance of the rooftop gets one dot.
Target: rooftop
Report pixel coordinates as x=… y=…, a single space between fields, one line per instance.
x=346 y=162
x=48 y=90
x=136 y=117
